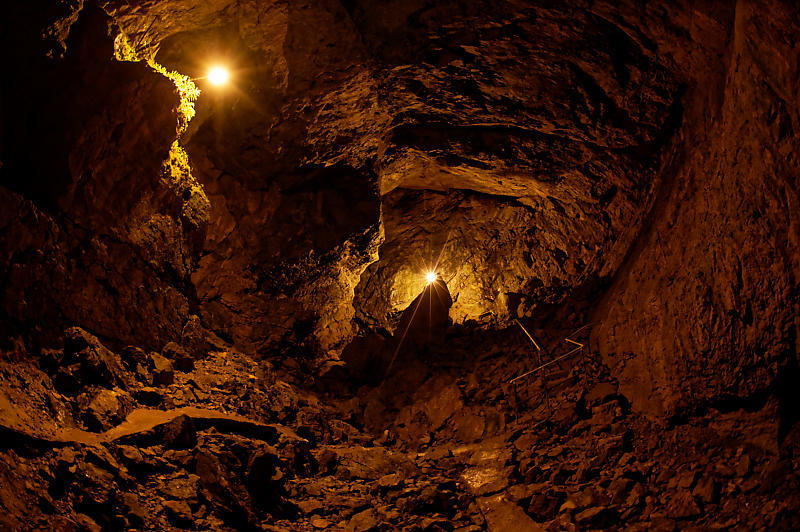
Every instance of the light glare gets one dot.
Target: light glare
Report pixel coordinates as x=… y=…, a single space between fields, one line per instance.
x=218 y=76
x=430 y=277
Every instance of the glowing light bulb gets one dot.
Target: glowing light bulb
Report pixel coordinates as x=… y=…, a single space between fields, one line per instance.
x=218 y=76
x=430 y=277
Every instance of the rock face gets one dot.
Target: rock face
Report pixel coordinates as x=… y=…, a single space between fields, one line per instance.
x=520 y=200
x=209 y=306
x=444 y=150
x=503 y=145
x=705 y=307
x=93 y=234
x=361 y=145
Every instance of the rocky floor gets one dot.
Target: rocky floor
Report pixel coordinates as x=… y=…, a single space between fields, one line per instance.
x=98 y=440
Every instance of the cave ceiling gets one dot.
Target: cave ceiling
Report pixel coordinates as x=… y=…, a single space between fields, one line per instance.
x=515 y=152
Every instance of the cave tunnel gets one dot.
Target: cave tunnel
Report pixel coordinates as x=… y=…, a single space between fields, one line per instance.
x=399 y=265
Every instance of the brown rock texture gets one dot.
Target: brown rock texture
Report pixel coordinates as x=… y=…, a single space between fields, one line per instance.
x=705 y=307
x=453 y=116
x=93 y=232
x=215 y=309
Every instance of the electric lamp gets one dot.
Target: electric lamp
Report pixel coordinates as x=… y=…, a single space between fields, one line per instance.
x=218 y=75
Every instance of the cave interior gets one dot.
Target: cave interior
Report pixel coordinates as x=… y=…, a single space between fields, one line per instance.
x=419 y=265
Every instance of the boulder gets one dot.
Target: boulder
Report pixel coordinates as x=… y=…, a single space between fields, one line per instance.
x=502 y=515
x=179 y=513
x=87 y=361
x=363 y=521
x=263 y=480
x=179 y=357
x=163 y=373
x=132 y=509
x=107 y=409
x=199 y=341
x=178 y=434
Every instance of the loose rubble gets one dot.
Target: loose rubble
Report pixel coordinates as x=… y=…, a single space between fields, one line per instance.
x=238 y=444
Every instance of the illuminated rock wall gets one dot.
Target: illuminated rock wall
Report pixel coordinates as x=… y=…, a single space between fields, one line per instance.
x=639 y=157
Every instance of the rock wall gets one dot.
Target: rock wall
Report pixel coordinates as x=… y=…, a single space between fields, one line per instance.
x=510 y=113
x=100 y=226
x=536 y=154
x=519 y=153
x=705 y=310
x=281 y=152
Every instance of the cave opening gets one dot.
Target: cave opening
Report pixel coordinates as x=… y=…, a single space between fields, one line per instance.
x=355 y=265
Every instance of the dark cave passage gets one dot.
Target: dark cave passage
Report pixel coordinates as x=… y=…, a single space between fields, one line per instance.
x=399 y=265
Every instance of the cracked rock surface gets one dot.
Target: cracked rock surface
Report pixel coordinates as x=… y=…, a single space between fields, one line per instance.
x=214 y=309
x=443 y=444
